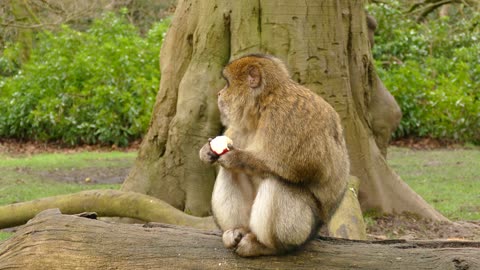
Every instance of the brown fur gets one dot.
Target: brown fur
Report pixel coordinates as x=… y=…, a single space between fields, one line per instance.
x=289 y=166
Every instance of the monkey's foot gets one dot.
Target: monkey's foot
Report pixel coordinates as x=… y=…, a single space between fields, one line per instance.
x=232 y=237
x=250 y=247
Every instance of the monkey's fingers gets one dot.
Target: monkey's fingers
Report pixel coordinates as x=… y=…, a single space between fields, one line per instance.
x=230 y=147
x=212 y=156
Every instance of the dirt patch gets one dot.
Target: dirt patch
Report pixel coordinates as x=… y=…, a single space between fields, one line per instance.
x=426 y=143
x=15 y=147
x=410 y=228
x=89 y=175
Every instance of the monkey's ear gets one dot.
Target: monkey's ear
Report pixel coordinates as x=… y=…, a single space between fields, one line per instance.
x=254 y=78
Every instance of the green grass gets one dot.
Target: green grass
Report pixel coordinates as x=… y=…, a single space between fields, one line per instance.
x=25 y=178
x=61 y=160
x=5 y=235
x=19 y=182
x=31 y=189
x=449 y=180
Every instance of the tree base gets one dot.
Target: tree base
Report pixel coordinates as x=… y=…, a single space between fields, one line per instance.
x=55 y=241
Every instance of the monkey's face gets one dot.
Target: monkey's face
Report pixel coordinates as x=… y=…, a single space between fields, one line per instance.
x=233 y=100
x=231 y=103
x=223 y=108
x=241 y=92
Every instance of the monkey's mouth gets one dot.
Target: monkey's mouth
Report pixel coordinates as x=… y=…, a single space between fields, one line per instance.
x=223 y=113
x=222 y=106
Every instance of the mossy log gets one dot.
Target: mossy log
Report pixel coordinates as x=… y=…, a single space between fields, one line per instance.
x=107 y=203
x=55 y=241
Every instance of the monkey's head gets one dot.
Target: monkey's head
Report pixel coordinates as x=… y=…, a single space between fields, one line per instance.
x=252 y=80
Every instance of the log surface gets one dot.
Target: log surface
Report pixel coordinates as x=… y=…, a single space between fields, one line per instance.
x=55 y=241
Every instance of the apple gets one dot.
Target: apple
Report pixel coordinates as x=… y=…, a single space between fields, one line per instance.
x=219 y=145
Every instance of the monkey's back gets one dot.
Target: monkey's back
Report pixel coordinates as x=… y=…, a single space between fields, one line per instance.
x=304 y=142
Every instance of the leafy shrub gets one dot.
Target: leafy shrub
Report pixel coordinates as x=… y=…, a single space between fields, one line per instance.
x=88 y=87
x=433 y=70
x=10 y=60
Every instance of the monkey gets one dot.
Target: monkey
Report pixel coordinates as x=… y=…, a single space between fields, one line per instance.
x=288 y=165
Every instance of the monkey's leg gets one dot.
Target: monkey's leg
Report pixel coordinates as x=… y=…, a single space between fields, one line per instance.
x=283 y=218
x=232 y=201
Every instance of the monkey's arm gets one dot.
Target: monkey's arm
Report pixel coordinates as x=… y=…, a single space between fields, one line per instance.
x=239 y=160
x=246 y=162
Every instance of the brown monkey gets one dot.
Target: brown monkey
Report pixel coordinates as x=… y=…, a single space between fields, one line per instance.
x=288 y=167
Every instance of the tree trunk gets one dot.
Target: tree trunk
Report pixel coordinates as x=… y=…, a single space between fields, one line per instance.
x=23 y=13
x=55 y=241
x=324 y=44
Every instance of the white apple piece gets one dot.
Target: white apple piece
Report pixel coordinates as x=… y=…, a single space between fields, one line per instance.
x=219 y=145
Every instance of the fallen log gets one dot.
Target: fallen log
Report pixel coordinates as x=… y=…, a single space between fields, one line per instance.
x=55 y=241
x=107 y=203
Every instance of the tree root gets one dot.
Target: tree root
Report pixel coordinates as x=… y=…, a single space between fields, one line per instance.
x=106 y=203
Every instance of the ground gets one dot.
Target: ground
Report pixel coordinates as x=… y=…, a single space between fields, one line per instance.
x=378 y=226
x=410 y=228
x=93 y=174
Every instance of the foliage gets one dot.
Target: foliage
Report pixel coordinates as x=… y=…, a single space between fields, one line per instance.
x=88 y=87
x=433 y=70
x=426 y=7
x=10 y=60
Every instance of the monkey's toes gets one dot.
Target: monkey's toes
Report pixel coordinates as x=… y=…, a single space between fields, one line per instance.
x=246 y=247
x=250 y=247
x=232 y=237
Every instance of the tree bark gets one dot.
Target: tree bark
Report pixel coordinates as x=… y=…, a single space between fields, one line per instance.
x=20 y=11
x=185 y=113
x=55 y=241
x=325 y=45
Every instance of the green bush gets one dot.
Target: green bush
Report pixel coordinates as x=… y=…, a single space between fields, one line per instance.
x=10 y=60
x=88 y=87
x=433 y=70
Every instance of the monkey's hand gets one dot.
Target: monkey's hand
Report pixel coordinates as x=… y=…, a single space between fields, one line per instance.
x=246 y=162
x=207 y=155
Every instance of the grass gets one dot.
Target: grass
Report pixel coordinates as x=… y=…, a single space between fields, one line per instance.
x=20 y=182
x=65 y=160
x=449 y=180
x=24 y=178
x=5 y=235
